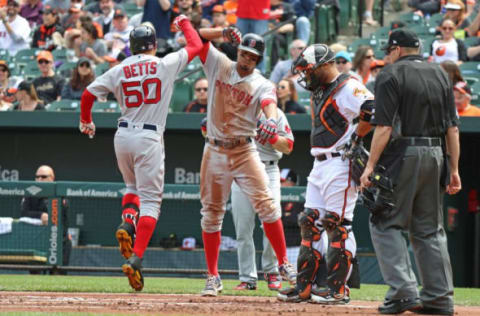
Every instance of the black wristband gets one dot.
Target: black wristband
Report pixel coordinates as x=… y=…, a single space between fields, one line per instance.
x=356 y=138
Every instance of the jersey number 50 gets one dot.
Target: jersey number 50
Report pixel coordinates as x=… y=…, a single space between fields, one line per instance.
x=135 y=97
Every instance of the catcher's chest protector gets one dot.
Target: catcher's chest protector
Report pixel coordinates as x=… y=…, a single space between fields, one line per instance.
x=329 y=124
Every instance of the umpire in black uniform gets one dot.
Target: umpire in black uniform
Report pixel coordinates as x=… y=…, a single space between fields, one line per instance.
x=416 y=127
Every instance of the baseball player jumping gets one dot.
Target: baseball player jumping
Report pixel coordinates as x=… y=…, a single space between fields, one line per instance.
x=338 y=101
x=143 y=86
x=237 y=95
x=244 y=214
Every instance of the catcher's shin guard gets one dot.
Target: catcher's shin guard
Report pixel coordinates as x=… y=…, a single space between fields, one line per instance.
x=339 y=259
x=309 y=259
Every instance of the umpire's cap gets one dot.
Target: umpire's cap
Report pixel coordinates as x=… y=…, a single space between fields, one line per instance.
x=402 y=37
x=142 y=38
x=254 y=44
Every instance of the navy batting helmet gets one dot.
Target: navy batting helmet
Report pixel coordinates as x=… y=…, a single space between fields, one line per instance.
x=254 y=44
x=142 y=38
x=310 y=58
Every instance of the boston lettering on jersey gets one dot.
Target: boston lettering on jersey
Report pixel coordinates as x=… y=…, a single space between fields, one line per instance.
x=238 y=95
x=139 y=69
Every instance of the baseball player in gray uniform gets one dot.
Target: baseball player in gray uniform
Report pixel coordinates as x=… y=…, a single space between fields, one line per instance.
x=238 y=94
x=244 y=215
x=143 y=86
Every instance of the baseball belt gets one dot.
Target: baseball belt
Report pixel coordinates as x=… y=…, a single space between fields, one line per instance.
x=228 y=144
x=145 y=126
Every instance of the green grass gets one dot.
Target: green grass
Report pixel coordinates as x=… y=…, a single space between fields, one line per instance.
x=47 y=283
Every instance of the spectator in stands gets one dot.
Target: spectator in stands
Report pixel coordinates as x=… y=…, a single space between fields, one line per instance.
x=118 y=39
x=288 y=98
x=361 y=63
x=252 y=17
x=69 y=20
x=27 y=98
x=231 y=10
x=35 y=207
x=192 y=9
x=61 y=6
x=290 y=212
x=89 y=45
x=304 y=9
x=453 y=71
x=219 y=16
x=463 y=96
x=158 y=12
x=283 y=67
x=208 y=8
x=107 y=8
x=82 y=76
x=71 y=35
x=4 y=105
x=14 y=29
x=32 y=12
x=343 y=61
x=280 y=12
x=337 y=47
x=50 y=33
x=199 y=104
x=375 y=67
x=48 y=86
x=424 y=7
x=448 y=47
x=8 y=85
x=456 y=13
x=368 y=14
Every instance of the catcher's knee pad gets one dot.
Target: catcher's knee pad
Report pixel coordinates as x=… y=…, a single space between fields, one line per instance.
x=306 y=221
x=308 y=262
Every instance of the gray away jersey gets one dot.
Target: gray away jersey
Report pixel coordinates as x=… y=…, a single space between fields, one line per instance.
x=267 y=152
x=143 y=86
x=234 y=102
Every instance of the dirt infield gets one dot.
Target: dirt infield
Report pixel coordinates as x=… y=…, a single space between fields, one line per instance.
x=180 y=305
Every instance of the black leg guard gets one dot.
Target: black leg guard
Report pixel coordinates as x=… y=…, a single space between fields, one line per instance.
x=354 y=279
x=339 y=260
x=309 y=259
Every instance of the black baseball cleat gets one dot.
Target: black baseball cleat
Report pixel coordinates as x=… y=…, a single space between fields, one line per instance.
x=125 y=236
x=400 y=306
x=433 y=311
x=132 y=269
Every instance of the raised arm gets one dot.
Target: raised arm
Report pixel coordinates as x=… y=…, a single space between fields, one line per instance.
x=194 y=43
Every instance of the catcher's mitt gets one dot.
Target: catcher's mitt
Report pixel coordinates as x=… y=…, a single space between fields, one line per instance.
x=358 y=155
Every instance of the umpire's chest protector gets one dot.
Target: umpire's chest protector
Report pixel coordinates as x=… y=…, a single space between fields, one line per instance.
x=329 y=125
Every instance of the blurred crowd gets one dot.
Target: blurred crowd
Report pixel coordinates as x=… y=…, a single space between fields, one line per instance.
x=51 y=50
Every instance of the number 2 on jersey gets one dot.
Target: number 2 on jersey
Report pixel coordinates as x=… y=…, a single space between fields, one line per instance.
x=135 y=97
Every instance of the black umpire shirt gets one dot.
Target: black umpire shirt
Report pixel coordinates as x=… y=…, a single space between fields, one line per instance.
x=417 y=94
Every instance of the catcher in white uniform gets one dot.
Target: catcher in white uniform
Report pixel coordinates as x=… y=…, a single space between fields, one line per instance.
x=244 y=215
x=338 y=101
x=143 y=86
x=238 y=94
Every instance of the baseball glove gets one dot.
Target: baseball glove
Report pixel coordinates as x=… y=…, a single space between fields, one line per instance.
x=358 y=155
x=232 y=35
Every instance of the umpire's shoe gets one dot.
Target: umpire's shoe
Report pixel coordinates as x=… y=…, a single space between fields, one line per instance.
x=399 y=306
x=288 y=273
x=290 y=295
x=125 y=237
x=213 y=286
x=132 y=269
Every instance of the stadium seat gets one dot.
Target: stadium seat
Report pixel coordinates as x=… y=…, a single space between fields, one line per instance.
x=471 y=41
x=60 y=54
x=475 y=94
x=31 y=71
x=470 y=67
x=182 y=94
x=358 y=42
x=422 y=30
x=471 y=80
x=131 y=8
x=64 y=105
x=426 y=45
x=411 y=18
x=22 y=57
x=4 y=55
x=65 y=69
x=102 y=68
x=109 y=106
x=435 y=19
